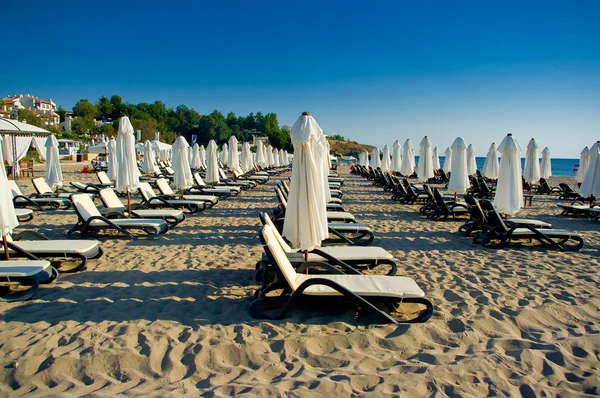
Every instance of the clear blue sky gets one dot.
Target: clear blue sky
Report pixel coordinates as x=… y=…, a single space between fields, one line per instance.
x=371 y=71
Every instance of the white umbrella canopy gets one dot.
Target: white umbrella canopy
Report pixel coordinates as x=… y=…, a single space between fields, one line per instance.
x=491 y=165
x=195 y=163
x=436 y=159
x=8 y=218
x=471 y=161
x=54 y=176
x=225 y=154
x=212 y=164
x=532 y=162
x=396 y=156
x=386 y=162
x=591 y=180
x=425 y=170
x=260 y=156
x=128 y=174
x=148 y=163
x=509 y=189
x=584 y=161
x=270 y=160
x=182 y=177
x=447 y=160
x=202 y=154
x=233 y=158
x=375 y=160
x=112 y=159
x=282 y=158
x=305 y=224
x=459 y=178
x=246 y=159
x=546 y=165
x=276 y=158
x=408 y=159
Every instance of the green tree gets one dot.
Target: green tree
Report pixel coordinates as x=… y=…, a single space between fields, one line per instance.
x=82 y=125
x=118 y=106
x=214 y=127
x=61 y=112
x=84 y=108
x=104 y=108
x=29 y=117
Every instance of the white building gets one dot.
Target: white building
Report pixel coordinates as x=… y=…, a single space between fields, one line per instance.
x=46 y=109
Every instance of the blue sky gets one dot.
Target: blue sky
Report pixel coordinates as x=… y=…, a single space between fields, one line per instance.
x=371 y=71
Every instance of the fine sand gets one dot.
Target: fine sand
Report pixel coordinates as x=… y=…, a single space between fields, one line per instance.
x=169 y=316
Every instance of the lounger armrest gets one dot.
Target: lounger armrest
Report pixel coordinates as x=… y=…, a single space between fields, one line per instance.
x=162 y=201
x=111 y=224
x=20 y=251
x=340 y=235
x=29 y=233
x=26 y=199
x=167 y=197
x=334 y=261
x=318 y=265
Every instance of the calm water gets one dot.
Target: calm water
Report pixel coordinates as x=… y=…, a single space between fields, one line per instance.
x=560 y=167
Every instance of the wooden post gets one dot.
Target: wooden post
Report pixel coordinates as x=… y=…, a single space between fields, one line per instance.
x=5 y=247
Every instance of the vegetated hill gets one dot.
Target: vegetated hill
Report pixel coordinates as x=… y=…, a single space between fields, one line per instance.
x=348 y=148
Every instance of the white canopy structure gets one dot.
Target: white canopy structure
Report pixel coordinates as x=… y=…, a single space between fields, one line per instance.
x=509 y=190
x=591 y=180
x=532 y=162
x=471 y=161
x=386 y=162
x=491 y=165
x=396 y=156
x=447 y=160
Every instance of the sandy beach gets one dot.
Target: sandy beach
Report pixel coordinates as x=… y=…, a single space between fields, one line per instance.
x=169 y=316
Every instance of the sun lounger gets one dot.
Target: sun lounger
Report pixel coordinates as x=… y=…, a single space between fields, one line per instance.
x=149 y=199
x=202 y=188
x=331 y=206
x=498 y=234
x=104 y=180
x=15 y=275
x=44 y=190
x=442 y=209
x=167 y=193
x=378 y=295
x=251 y=177
x=228 y=181
x=332 y=216
x=577 y=209
x=91 y=221
x=61 y=252
x=113 y=207
x=85 y=188
x=351 y=259
x=24 y=215
x=35 y=201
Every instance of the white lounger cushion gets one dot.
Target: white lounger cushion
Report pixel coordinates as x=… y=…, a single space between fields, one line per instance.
x=349 y=253
x=533 y=223
x=348 y=227
x=149 y=213
x=12 y=269
x=339 y=215
x=129 y=222
x=524 y=232
x=362 y=285
x=89 y=248
x=205 y=198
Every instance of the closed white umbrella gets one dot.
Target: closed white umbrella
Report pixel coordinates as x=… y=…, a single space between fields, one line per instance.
x=375 y=160
x=195 y=163
x=459 y=178
x=246 y=158
x=584 y=161
x=471 y=161
x=591 y=180
x=8 y=218
x=112 y=159
x=212 y=164
x=396 y=156
x=448 y=160
x=282 y=158
x=436 y=159
x=148 y=163
x=54 y=176
x=546 y=165
x=233 y=160
x=509 y=190
x=408 y=159
x=532 y=162
x=425 y=170
x=260 y=157
x=287 y=158
x=225 y=154
x=276 y=158
x=182 y=177
x=270 y=160
x=128 y=176
x=202 y=155
x=386 y=162
x=305 y=224
x=491 y=165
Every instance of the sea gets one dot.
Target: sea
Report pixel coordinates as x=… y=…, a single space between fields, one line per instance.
x=560 y=167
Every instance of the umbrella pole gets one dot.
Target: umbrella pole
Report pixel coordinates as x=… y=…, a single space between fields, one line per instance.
x=128 y=204
x=5 y=243
x=306 y=259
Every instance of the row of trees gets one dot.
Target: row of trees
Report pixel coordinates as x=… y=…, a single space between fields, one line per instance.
x=150 y=118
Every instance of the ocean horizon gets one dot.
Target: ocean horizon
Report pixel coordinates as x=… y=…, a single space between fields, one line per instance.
x=560 y=167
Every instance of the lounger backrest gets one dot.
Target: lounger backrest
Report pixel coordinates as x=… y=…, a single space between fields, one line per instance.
x=41 y=185
x=103 y=178
x=110 y=199
x=169 y=170
x=236 y=173
x=157 y=171
x=280 y=197
x=15 y=189
x=84 y=205
x=146 y=191
x=199 y=179
x=439 y=200
x=279 y=256
x=267 y=221
x=163 y=187
x=222 y=174
x=566 y=187
x=475 y=210
x=494 y=218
